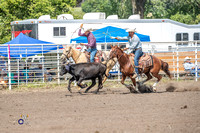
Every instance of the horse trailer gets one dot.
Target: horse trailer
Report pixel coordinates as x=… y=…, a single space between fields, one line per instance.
x=64 y=28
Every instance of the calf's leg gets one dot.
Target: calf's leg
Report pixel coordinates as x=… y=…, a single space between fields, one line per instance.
x=79 y=83
x=70 y=81
x=100 y=86
x=93 y=84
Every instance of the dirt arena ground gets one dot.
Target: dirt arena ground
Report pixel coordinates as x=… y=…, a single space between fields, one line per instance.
x=113 y=110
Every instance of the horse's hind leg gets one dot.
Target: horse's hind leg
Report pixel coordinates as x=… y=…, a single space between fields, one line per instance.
x=93 y=84
x=148 y=77
x=159 y=77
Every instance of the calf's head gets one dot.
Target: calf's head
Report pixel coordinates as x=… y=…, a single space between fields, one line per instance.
x=64 y=69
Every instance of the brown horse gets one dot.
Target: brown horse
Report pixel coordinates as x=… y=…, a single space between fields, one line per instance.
x=80 y=57
x=128 y=70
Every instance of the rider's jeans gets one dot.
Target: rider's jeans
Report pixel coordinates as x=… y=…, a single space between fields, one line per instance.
x=93 y=52
x=138 y=53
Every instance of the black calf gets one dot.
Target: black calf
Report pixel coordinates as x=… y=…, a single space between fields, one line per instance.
x=85 y=71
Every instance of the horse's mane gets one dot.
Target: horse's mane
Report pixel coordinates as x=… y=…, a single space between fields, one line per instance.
x=120 y=49
x=75 y=49
x=126 y=55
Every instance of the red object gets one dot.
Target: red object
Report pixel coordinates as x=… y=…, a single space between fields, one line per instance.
x=78 y=47
x=9 y=51
x=16 y=33
x=96 y=59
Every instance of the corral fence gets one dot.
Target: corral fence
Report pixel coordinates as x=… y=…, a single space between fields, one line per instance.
x=44 y=66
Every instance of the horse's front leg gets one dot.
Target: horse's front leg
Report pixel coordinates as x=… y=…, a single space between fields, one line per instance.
x=110 y=65
x=135 y=90
x=107 y=73
x=123 y=79
x=130 y=87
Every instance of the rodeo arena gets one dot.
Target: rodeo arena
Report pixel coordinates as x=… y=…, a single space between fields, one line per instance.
x=45 y=56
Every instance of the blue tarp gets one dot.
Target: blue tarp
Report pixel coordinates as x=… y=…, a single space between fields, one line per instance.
x=103 y=35
x=26 y=50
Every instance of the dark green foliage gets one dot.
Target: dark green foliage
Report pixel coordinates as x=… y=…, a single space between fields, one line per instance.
x=12 y=10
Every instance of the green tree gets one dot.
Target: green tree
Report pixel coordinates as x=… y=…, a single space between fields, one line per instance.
x=122 y=8
x=187 y=19
x=62 y=6
x=155 y=9
x=173 y=9
x=12 y=10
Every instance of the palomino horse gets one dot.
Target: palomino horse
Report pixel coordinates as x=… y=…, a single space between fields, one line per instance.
x=80 y=57
x=128 y=70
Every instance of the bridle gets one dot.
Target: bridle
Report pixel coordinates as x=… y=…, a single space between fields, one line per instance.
x=114 y=52
x=66 y=55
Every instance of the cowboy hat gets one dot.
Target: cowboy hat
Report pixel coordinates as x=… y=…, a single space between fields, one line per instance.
x=87 y=29
x=188 y=58
x=131 y=30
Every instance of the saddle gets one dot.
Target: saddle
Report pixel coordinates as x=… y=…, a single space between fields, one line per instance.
x=99 y=57
x=144 y=61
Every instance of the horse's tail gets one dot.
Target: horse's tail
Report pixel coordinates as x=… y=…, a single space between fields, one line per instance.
x=165 y=68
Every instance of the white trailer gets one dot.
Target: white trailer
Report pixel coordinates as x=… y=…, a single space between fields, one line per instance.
x=64 y=28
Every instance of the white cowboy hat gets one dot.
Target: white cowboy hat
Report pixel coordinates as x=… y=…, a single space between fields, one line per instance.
x=87 y=29
x=188 y=58
x=131 y=30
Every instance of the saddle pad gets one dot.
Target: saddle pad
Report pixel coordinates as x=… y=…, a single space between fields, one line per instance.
x=98 y=57
x=145 y=61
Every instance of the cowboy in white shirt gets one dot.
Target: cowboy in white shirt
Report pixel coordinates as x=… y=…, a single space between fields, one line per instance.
x=135 y=46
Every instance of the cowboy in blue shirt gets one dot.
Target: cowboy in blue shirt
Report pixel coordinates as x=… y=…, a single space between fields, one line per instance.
x=189 y=66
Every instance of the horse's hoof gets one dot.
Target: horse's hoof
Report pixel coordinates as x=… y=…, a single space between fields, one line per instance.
x=134 y=91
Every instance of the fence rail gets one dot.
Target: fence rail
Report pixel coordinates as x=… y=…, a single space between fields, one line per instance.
x=45 y=66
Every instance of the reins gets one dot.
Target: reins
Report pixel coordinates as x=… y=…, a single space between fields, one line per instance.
x=117 y=55
x=79 y=54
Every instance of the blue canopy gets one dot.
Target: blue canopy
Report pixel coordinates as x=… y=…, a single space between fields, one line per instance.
x=103 y=35
x=26 y=50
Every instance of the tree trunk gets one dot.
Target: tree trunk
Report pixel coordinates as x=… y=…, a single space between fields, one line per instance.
x=138 y=7
x=134 y=7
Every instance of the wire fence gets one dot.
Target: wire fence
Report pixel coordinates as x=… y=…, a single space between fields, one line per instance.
x=39 y=65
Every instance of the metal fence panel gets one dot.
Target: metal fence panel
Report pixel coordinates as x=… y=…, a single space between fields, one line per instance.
x=45 y=67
